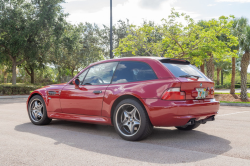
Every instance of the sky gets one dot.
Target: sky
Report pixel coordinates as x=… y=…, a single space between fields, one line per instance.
x=98 y=11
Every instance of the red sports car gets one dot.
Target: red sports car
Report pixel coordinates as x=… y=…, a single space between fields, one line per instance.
x=132 y=94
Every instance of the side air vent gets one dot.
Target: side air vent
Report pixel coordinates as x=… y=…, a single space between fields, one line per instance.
x=52 y=93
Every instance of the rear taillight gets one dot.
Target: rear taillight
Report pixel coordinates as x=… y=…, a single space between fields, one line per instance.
x=173 y=94
x=211 y=93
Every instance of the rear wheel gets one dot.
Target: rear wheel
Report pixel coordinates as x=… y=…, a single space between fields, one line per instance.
x=131 y=120
x=189 y=127
x=37 y=111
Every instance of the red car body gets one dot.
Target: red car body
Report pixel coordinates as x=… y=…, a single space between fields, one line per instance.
x=69 y=103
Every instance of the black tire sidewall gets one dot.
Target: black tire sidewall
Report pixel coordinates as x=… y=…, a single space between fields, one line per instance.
x=45 y=118
x=143 y=117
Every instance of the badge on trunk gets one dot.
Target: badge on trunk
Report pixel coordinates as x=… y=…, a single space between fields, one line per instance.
x=200 y=84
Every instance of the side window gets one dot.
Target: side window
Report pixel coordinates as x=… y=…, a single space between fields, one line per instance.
x=82 y=76
x=100 y=74
x=133 y=71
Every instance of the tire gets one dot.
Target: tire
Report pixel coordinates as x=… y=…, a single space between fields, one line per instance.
x=37 y=111
x=189 y=127
x=131 y=120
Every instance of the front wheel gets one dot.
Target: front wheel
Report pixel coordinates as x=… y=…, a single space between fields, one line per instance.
x=131 y=120
x=189 y=127
x=37 y=111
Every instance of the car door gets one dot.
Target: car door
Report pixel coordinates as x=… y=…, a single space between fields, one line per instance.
x=87 y=100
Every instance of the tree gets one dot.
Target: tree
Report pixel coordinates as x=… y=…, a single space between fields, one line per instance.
x=222 y=66
x=120 y=31
x=238 y=27
x=245 y=46
x=176 y=40
x=23 y=24
x=79 y=46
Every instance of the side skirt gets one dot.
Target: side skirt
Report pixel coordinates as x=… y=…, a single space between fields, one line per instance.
x=80 y=118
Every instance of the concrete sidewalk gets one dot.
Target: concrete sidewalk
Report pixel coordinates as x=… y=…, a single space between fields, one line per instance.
x=14 y=96
x=228 y=90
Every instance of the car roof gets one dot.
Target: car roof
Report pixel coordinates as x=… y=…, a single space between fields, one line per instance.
x=144 y=58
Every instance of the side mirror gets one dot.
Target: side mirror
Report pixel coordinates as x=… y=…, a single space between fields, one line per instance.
x=76 y=82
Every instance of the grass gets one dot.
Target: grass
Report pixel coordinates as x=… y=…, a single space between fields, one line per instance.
x=234 y=102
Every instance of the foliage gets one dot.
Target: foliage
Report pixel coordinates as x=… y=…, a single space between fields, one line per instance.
x=176 y=40
x=16 y=89
x=26 y=28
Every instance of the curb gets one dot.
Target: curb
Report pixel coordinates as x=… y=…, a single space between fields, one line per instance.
x=235 y=104
x=14 y=97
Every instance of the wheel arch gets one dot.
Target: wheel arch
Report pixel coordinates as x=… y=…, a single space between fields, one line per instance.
x=32 y=95
x=123 y=97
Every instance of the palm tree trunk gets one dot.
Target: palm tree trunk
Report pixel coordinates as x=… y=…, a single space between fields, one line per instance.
x=244 y=65
x=210 y=67
x=232 y=90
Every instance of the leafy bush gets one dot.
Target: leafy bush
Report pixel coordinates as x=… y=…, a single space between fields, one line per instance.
x=239 y=85
x=17 y=89
x=224 y=86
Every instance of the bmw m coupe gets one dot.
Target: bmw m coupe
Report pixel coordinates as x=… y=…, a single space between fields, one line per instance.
x=131 y=94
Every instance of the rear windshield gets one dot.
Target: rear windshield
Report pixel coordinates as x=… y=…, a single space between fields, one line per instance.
x=184 y=69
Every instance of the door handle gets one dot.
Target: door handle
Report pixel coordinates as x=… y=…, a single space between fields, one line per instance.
x=97 y=91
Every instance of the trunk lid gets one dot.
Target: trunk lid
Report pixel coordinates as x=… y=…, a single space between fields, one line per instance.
x=193 y=82
x=189 y=86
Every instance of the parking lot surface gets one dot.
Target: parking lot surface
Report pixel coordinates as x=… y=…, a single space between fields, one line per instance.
x=226 y=141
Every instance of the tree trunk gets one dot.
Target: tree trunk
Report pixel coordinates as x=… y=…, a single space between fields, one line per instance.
x=210 y=67
x=218 y=76
x=59 y=75
x=244 y=65
x=31 y=73
x=203 y=68
x=14 y=71
x=221 y=77
x=32 y=76
x=232 y=90
x=5 y=75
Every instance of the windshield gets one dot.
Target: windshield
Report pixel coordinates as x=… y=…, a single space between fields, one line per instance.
x=180 y=70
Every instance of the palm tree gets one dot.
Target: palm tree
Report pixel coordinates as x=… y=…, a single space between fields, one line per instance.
x=245 y=46
x=238 y=29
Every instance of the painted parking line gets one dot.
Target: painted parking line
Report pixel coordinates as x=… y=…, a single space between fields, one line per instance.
x=233 y=113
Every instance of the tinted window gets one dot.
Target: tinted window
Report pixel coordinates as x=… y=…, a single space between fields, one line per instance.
x=132 y=72
x=100 y=74
x=182 y=69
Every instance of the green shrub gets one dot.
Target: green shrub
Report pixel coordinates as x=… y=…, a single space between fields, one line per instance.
x=224 y=86
x=17 y=89
x=239 y=85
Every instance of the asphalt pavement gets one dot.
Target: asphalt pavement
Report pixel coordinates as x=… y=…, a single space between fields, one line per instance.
x=226 y=141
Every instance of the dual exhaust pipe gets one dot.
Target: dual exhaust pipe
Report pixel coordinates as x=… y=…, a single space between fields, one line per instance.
x=203 y=121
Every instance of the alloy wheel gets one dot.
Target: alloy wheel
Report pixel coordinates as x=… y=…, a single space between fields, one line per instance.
x=128 y=119
x=36 y=110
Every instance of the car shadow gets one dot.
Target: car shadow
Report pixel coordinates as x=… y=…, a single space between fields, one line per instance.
x=163 y=146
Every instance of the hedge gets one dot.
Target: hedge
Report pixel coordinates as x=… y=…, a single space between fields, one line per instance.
x=239 y=86
x=17 y=90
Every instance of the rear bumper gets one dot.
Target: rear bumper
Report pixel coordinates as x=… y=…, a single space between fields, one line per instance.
x=178 y=113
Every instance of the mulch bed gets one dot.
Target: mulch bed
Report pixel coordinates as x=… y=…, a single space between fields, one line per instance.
x=229 y=97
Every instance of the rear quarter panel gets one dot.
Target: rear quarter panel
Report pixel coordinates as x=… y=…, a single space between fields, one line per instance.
x=151 y=89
